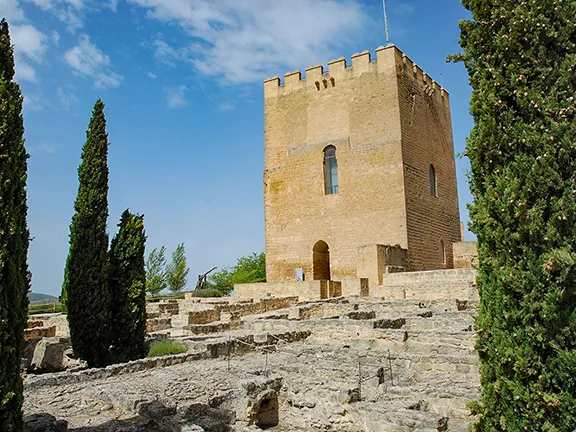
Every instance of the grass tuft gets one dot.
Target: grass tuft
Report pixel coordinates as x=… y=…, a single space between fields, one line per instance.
x=209 y=292
x=167 y=347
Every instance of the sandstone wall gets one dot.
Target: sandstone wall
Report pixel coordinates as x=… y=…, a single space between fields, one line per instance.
x=465 y=255
x=388 y=122
x=303 y=290
x=357 y=113
x=429 y=285
x=433 y=222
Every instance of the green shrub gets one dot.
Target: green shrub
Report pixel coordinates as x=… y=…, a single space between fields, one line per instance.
x=14 y=239
x=209 y=292
x=521 y=57
x=127 y=284
x=86 y=275
x=167 y=347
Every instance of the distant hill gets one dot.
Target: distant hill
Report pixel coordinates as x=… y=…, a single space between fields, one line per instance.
x=36 y=297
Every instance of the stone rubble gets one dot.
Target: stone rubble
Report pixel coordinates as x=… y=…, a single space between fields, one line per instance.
x=291 y=369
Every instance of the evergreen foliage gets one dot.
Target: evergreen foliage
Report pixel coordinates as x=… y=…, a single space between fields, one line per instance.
x=86 y=274
x=127 y=283
x=155 y=271
x=14 y=239
x=248 y=269
x=177 y=271
x=521 y=57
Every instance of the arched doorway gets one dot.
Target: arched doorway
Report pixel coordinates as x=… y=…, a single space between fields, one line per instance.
x=267 y=416
x=321 y=261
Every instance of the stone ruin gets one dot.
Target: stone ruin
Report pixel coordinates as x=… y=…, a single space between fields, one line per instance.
x=338 y=364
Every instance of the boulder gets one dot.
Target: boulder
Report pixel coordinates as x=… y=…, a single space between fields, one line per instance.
x=44 y=423
x=49 y=355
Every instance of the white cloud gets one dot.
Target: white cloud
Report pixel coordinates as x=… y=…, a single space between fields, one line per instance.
x=244 y=41
x=166 y=54
x=10 y=10
x=175 y=96
x=33 y=102
x=30 y=44
x=29 y=41
x=225 y=106
x=25 y=72
x=55 y=36
x=68 y=11
x=44 y=148
x=113 y=5
x=87 y=60
x=152 y=75
x=66 y=98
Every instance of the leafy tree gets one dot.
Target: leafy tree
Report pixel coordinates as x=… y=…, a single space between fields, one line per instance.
x=14 y=239
x=127 y=283
x=177 y=271
x=155 y=271
x=86 y=274
x=248 y=269
x=521 y=58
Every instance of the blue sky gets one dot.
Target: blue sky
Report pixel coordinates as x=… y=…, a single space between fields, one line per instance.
x=182 y=84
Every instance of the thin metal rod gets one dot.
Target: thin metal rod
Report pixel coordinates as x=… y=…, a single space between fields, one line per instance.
x=386 y=23
x=359 y=380
x=229 y=352
x=390 y=364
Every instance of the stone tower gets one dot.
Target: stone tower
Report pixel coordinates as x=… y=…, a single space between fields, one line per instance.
x=355 y=156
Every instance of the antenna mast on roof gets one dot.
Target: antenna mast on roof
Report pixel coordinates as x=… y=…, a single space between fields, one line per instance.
x=386 y=23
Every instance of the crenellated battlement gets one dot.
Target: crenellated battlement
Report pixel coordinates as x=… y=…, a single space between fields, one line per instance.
x=387 y=59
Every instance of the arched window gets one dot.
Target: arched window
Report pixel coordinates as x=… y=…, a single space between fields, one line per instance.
x=442 y=251
x=432 y=180
x=330 y=170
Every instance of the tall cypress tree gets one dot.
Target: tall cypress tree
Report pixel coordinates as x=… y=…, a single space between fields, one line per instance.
x=521 y=58
x=86 y=274
x=14 y=239
x=127 y=282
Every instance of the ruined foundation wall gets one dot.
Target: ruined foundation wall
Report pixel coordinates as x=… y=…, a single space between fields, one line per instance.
x=429 y=285
x=465 y=255
x=306 y=290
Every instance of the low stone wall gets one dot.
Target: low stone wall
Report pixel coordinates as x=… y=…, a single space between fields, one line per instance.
x=204 y=316
x=158 y=324
x=355 y=287
x=238 y=346
x=465 y=255
x=304 y=290
x=39 y=333
x=57 y=320
x=257 y=307
x=454 y=284
x=163 y=307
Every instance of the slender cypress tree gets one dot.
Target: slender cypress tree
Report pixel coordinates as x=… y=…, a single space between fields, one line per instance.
x=127 y=282
x=86 y=274
x=14 y=239
x=521 y=57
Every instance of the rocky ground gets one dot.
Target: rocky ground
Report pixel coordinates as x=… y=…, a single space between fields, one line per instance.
x=361 y=365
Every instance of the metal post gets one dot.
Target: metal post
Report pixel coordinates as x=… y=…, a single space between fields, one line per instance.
x=386 y=23
x=390 y=365
x=359 y=381
x=229 y=352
